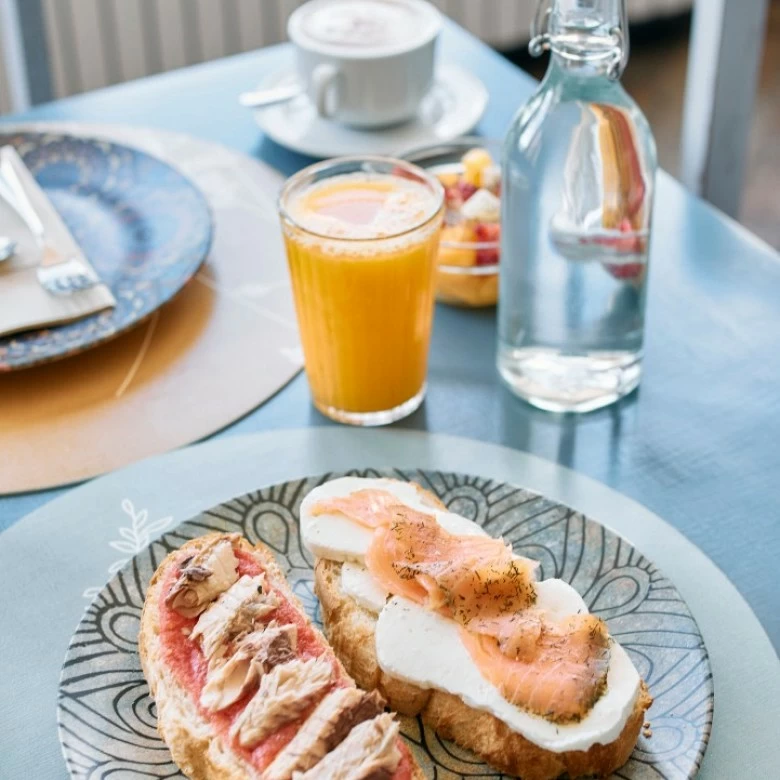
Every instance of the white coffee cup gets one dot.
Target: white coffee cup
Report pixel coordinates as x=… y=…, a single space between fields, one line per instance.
x=366 y=63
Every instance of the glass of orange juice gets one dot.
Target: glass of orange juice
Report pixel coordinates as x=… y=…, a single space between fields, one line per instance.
x=362 y=235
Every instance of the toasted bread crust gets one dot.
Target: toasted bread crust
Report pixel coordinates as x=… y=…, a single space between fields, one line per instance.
x=350 y=630
x=194 y=745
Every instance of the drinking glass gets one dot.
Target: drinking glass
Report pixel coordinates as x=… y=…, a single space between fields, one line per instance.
x=364 y=303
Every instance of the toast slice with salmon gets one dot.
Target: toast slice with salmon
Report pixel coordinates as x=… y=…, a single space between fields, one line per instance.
x=445 y=622
x=351 y=630
x=245 y=685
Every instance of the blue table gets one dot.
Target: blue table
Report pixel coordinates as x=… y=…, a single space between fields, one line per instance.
x=697 y=444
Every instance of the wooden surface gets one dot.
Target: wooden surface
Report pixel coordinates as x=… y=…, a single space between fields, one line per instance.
x=697 y=444
x=225 y=344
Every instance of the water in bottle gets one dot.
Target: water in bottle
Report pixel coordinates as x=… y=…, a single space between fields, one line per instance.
x=578 y=176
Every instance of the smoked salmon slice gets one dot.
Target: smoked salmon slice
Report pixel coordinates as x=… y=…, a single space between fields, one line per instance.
x=463 y=577
x=553 y=668
x=560 y=676
x=370 y=507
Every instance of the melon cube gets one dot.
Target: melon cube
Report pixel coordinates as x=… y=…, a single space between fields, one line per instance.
x=475 y=161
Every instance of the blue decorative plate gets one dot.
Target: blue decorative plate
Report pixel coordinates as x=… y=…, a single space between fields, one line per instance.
x=107 y=720
x=145 y=228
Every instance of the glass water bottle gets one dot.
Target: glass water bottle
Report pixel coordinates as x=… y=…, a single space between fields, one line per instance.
x=579 y=168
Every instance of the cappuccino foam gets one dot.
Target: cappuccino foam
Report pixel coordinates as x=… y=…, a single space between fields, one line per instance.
x=367 y=24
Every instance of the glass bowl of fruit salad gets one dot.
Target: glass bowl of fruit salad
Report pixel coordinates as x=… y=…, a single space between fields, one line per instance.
x=469 y=249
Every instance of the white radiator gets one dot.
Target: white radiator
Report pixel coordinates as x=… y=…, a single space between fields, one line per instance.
x=93 y=43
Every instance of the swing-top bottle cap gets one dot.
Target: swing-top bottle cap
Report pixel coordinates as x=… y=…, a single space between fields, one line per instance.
x=583 y=30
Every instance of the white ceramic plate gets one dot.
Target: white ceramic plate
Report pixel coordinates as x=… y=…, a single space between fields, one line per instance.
x=453 y=107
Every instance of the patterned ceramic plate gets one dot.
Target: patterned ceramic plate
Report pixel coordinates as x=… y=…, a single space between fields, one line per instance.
x=144 y=227
x=107 y=719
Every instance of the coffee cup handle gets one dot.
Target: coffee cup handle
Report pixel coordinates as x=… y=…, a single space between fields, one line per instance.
x=323 y=79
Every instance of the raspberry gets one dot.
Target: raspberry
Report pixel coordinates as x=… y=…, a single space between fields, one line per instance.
x=484 y=233
x=466 y=190
x=487 y=231
x=488 y=256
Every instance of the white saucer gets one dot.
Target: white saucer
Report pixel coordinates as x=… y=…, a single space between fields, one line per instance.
x=453 y=107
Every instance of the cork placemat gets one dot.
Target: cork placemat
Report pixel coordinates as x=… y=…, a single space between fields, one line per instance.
x=222 y=347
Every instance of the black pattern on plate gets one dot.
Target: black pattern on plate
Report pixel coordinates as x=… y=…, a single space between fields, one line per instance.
x=107 y=720
x=144 y=226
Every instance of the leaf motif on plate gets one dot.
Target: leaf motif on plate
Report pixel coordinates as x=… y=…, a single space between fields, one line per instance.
x=135 y=538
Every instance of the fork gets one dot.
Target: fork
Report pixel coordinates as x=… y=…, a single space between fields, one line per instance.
x=58 y=273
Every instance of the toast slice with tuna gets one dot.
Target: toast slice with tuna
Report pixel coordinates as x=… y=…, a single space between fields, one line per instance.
x=245 y=685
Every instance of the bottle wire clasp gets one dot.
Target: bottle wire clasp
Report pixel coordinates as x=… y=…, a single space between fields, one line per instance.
x=541 y=39
x=540 y=30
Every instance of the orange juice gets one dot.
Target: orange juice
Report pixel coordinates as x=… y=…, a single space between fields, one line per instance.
x=361 y=248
